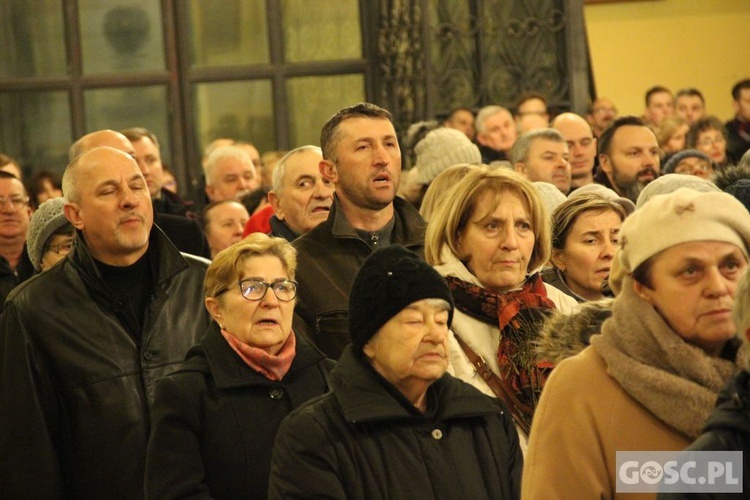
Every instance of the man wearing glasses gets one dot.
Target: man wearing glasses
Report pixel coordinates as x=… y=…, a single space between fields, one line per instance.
x=83 y=345
x=14 y=221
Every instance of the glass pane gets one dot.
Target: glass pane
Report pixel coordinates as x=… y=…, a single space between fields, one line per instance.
x=228 y=32
x=321 y=30
x=121 y=38
x=240 y=110
x=35 y=129
x=123 y=108
x=32 y=38
x=310 y=108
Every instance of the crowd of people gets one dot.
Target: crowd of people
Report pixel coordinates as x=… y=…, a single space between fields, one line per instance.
x=533 y=295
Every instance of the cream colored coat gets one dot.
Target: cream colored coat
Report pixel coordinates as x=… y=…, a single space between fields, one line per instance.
x=482 y=337
x=584 y=417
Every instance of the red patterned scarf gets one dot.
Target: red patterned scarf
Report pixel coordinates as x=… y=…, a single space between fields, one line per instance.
x=272 y=367
x=519 y=315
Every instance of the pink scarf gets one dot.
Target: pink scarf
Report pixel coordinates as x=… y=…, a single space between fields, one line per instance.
x=272 y=367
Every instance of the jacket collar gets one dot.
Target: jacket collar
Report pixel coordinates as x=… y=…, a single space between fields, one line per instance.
x=408 y=229
x=363 y=397
x=281 y=229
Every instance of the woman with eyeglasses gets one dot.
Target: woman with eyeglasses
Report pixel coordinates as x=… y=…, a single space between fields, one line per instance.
x=709 y=135
x=215 y=419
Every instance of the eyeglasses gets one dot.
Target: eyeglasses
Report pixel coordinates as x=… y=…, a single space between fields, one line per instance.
x=61 y=248
x=252 y=289
x=707 y=142
x=16 y=202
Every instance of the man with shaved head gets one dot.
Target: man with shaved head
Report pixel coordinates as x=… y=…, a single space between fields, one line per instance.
x=186 y=234
x=581 y=147
x=83 y=344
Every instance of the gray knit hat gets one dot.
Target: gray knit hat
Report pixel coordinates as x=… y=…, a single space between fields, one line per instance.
x=605 y=193
x=47 y=219
x=668 y=183
x=443 y=148
x=671 y=164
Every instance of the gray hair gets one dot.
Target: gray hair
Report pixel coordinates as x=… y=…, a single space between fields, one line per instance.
x=222 y=153
x=279 y=171
x=519 y=153
x=485 y=113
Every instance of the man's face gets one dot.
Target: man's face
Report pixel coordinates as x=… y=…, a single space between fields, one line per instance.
x=462 y=120
x=690 y=108
x=233 y=178
x=307 y=196
x=114 y=207
x=547 y=161
x=149 y=161
x=581 y=145
x=14 y=210
x=225 y=225
x=499 y=132
x=368 y=163
x=633 y=160
x=742 y=106
x=603 y=113
x=660 y=106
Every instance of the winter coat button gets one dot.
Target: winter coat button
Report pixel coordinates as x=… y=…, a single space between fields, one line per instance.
x=276 y=393
x=437 y=434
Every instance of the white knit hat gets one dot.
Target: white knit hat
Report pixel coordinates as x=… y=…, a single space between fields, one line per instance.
x=442 y=148
x=550 y=195
x=680 y=217
x=669 y=183
x=47 y=219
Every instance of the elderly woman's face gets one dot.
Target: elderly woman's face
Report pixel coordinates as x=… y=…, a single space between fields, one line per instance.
x=497 y=246
x=692 y=288
x=264 y=323
x=411 y=349
x=589 y=250
x=712 y=143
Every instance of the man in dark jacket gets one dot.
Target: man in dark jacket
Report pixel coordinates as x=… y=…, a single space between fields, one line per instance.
x=363 y=160
x=396 y=425
x=83 y=344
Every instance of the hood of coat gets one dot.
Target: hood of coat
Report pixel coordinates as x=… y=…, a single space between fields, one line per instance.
x=565 y=335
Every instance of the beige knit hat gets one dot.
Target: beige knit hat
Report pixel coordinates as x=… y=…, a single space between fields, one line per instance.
x=442 y=148
x=679 y=217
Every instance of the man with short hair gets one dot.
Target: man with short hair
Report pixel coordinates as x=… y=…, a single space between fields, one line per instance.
x=739 y=127
x=230 y=174
x=362 y=158
x=301 y=197
x=223 y=223
x=601 y=114
x=461 y=119
x=15 y=215
x=690 y=105
x=148 y=156
x=659 y=105
x=542 y=156
x=496 y=133
x=84 y=343
x=628 y=157
x=581 y=147
x=8 y=164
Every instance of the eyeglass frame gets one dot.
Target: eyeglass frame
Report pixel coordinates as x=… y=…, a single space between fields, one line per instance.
x=266 y=285
x=21 y=201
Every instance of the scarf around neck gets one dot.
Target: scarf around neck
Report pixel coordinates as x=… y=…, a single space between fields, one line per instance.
x=274 y=368
x=674 y=380
x=519 y=315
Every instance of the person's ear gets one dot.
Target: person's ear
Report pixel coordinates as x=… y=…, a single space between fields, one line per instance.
x=328 y=170
x=605 y=164
x=214 y=309
x=275 y=201
x=558 y=259
x=73 y=213
x=368 y=350
x=520 y=167
x=643 y=292
x=210 y=190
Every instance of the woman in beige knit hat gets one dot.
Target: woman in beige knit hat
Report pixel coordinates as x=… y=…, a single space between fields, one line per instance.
x=651 y=378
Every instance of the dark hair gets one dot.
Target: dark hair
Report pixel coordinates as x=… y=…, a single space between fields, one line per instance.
x=739 y=87
x=8 y=175
x=605 y=140
x=137 y=133
x=527 y=96
x=253 y=199
x=656 y=89
x=706 y=123
x=642 y=273
x=205 y=219
x=329 y=136
x=690 y=92
x=34 y=184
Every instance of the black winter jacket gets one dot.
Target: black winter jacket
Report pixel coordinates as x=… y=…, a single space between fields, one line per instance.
x=215 y=421
x=75 y=388
x=329 y=257
x=362 y=441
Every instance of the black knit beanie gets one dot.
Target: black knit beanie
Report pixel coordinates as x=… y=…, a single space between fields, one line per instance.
x=389 y=280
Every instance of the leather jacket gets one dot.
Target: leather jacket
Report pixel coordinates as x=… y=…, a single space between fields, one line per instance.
x=76 y=389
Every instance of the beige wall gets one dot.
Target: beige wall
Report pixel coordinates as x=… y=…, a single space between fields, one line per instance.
x=676 y=43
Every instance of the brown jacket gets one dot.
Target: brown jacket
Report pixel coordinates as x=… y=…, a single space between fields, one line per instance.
x=584 y=417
